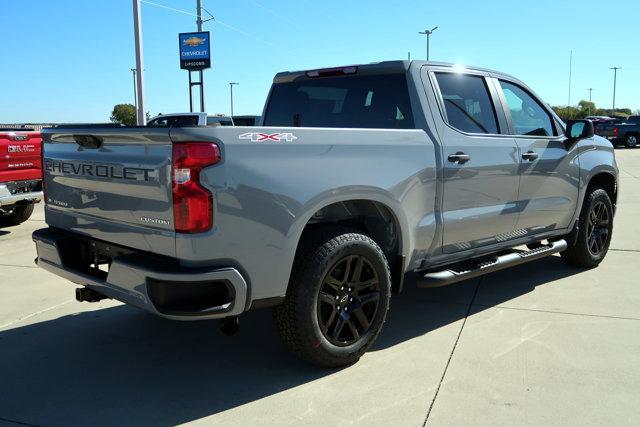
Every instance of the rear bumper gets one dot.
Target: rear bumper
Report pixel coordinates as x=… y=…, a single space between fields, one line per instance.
x=140 y=280
x=7 y=199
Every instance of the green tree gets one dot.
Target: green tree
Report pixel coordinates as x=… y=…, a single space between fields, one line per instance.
x=124 y=114
x=586 y=107
x=568 y=113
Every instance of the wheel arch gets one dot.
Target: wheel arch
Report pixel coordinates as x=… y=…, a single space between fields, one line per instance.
x=607 y=181
x=376 y=217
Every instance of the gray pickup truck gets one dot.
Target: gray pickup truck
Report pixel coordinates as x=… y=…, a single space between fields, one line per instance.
x=359 y=178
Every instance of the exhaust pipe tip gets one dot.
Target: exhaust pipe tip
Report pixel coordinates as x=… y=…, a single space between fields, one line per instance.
x=230 y=325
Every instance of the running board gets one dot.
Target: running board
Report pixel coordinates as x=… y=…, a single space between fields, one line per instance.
x=478 y=267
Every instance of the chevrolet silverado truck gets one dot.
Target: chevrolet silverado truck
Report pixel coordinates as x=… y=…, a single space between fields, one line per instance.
x=626 y=133
x=358 y=178
x=20 y=175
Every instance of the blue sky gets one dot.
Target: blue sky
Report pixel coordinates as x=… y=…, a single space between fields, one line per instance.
x=70 y=60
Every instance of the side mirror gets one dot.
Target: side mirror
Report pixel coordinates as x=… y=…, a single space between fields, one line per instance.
x=579 y=129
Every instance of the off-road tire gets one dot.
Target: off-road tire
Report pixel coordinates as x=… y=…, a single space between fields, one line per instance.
x=579 y=254
x=17 y=215
x=298 y=319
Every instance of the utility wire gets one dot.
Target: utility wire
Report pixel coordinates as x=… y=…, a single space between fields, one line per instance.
x=224 y=24
x=170 y=8
x=276 y=14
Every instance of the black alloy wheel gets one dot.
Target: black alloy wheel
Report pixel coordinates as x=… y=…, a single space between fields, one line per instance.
x=348 y=300
x=594 y=230
x=598 y=228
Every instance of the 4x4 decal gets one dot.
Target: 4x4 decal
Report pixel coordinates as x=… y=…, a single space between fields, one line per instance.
x=263 y=137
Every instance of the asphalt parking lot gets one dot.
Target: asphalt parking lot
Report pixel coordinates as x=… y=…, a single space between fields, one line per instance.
x=542 y=343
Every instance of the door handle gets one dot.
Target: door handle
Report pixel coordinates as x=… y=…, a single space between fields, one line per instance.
x=530 y=155
x=459 y=157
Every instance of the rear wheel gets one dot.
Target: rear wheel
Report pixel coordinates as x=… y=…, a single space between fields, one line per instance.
x=15 y=215
x=631 y=141
x=594 y=231
x=337 y=299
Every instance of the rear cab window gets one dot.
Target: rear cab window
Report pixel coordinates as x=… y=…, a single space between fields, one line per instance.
x=350 y=101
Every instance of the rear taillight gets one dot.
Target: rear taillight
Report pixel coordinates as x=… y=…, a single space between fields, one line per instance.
x=192 y=203
x=615 y=131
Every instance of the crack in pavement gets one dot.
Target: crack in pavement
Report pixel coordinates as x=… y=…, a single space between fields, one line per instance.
x=29 y=316
x=624 y=250
x=16 y=265
x=20 y=423
x=604 y=316
x=464 y=322
x=455 y=345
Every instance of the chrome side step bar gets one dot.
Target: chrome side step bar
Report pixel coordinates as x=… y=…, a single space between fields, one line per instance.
x=478 y=267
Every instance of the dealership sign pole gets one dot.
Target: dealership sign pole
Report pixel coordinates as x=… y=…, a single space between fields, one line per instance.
x=195 y=55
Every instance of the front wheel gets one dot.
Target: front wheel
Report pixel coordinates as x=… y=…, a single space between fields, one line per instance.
x=15 y=215
x=631 y=141
x=594 y=231
x=337 y=299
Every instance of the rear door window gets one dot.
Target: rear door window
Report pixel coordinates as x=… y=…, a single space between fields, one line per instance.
x=360 y=101
x=467 y=103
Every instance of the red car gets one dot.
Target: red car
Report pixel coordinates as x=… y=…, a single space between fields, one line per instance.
x=20 y=174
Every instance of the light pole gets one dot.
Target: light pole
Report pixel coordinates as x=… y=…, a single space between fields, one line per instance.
x=231 y=85
x=135 y=93
x=615 y=76
x=137 y=31
x=570 y=70
x=590 y=90
x=428 y=34
x=199 y=22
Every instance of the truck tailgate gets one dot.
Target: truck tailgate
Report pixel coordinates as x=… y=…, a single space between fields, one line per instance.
x=112 y=185
x=20 y=156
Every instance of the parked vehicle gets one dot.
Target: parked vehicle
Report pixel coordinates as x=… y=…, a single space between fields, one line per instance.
x=361 y=178
x=246 y=120
x=625 y=132
x=189 y=119
x=20 y=174
x=599 y=119
x=202 y=119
